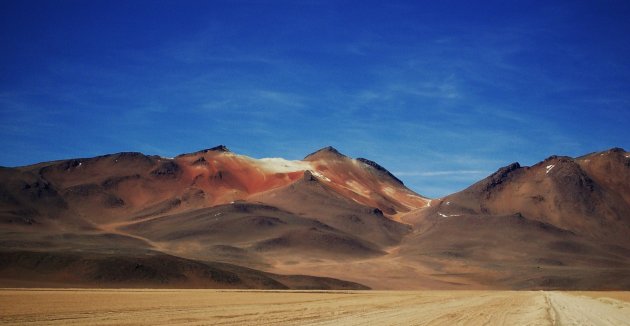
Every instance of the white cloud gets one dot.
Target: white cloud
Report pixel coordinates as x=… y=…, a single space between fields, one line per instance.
x=281 y=98
x=440 y=173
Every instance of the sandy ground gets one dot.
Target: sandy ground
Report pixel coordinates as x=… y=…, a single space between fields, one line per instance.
x=218 y=307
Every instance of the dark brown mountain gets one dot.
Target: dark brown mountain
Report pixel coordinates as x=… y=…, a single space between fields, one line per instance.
x=214 y=218
x=561 y=223
x=587 y=196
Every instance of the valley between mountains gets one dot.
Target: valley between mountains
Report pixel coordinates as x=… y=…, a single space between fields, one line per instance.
x=217 y=219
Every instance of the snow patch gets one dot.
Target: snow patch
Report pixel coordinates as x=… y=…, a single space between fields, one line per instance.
x=80 y=163
x=448 y=203
x=320 y=176
x=549 y=168
x=627 y=155
x=280 y=165
x=446 y=215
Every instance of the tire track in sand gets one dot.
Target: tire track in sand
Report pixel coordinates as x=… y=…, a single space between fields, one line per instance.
x=570 y=309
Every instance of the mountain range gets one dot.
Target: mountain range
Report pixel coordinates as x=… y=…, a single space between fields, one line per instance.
x=216 y=219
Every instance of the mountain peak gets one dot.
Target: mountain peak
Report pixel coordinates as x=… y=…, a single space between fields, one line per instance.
x=378 y=167
x=557 y=158
x=219 y=148
x=328 y=150
x=615 y=151
x=499 y=177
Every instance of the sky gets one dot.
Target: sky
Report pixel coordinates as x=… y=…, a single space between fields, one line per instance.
x=441 y=93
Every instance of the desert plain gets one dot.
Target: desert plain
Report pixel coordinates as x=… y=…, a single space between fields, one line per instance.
x=256 y=307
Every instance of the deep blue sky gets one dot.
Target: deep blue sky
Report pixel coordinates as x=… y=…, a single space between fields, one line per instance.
x=441 y=93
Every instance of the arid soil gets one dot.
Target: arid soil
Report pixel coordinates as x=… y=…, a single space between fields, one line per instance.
x=238 y=307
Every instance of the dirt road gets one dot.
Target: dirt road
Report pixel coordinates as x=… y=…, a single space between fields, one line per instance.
x=570 y=309
x=216 y=307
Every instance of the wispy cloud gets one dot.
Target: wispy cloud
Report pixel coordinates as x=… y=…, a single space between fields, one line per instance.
x=440 y=173
x=281 y=98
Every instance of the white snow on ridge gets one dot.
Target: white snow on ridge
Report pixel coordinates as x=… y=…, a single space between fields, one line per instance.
x=280 y=165
x=549 y=167
x=445 y=215
x=320 y=176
